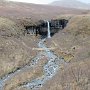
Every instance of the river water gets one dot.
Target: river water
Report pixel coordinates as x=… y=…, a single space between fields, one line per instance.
x=50 y=69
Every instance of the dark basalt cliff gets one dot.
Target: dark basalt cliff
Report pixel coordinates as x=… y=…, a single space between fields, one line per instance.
x=41 y=28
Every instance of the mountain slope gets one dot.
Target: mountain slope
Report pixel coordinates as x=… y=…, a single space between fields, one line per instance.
x=16 y=9
x=71 y=4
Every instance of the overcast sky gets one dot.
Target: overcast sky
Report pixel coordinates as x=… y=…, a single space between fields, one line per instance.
x=44 y=1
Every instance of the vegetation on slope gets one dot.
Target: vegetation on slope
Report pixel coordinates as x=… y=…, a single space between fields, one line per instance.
x=73 y=44
x=9 y=28
x=15 y=48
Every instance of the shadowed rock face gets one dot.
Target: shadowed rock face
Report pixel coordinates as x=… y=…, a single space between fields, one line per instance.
x=55 y=26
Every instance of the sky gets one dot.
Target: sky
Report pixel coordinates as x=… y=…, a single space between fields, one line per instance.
x=44 y=1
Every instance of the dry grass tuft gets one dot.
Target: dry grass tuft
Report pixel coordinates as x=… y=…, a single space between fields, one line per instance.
x=9 y=28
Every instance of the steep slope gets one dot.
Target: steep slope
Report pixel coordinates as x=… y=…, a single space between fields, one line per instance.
x=71 y=4
x=15 y=50
x=73 y=44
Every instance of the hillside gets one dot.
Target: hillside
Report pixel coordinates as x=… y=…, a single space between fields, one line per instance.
x=73 y=44
x=25 y=58
x=14 y=46
x=71 y=4
x=19 y=10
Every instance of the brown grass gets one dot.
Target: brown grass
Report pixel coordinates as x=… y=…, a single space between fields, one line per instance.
x=15 y=50
x=74 y=40
x=73 y=44
x=75 y=76
x=26 y=76
x=9 y=28
x=19 y=10
x=79 y=25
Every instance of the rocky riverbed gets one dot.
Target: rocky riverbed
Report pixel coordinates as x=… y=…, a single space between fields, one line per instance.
x=49 y=69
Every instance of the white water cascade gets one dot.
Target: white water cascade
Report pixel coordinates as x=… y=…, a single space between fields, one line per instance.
x=49 y=36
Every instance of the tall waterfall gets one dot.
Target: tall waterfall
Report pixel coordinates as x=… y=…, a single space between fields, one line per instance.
x=49 y=36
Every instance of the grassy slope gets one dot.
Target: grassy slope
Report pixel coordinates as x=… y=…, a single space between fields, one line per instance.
x=9 y=28
x=75 y=37
x=73 y=43
x=19 y=10
x=15 y=50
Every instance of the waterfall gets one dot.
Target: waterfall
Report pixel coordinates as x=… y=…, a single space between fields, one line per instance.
x=49 y=36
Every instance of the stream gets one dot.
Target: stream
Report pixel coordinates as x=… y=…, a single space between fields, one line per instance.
x=50 y=69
